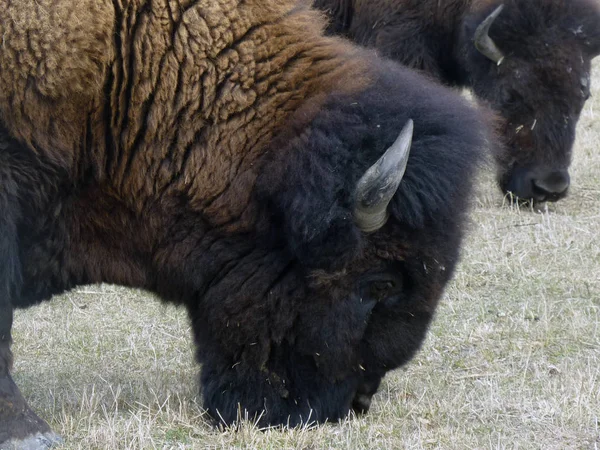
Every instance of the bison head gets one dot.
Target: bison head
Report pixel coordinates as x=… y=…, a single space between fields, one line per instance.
x=358 y=243
x=530 y=60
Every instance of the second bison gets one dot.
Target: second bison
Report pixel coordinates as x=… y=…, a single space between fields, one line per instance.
x=528 y=59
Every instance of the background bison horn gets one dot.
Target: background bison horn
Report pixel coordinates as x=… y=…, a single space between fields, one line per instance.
x=380 y=182
x=483 y=42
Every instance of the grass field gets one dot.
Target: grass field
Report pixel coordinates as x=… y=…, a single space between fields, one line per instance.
x=512 y=360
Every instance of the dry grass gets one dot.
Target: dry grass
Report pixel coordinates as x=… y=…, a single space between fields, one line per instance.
x=512 y=361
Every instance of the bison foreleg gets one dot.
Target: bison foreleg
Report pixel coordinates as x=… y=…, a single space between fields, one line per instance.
x=20 y=427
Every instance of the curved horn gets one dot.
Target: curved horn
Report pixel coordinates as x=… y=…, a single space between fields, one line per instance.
x=484 y=43
x=380 y=182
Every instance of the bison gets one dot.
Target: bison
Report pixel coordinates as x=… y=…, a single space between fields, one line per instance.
x=303 y=199
x=528 y=59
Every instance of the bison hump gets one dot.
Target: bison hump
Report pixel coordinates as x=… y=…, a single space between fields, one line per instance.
x=56 y=47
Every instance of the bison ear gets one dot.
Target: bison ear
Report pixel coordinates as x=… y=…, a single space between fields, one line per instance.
x=310 y=206
x=588 y=38
x=582 y=25
x=323 y=238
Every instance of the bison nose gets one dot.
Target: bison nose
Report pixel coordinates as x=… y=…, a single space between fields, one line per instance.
x=551 y=185
x=537 y=185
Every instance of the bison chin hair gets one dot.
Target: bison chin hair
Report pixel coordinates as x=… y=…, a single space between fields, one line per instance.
x=287 y=392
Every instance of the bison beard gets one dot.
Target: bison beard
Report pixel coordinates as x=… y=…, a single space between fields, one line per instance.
x=211 y=153
x=528 y=59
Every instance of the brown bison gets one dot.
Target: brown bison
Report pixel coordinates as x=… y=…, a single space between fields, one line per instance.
x=529 y=59
x=230 y=157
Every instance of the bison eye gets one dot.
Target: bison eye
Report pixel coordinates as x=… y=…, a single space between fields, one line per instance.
x=381 y=288
x=384 y=284
x=511 y=97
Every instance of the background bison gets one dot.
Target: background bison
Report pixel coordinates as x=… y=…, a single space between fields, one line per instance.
x=228 y=156
x=528 y=59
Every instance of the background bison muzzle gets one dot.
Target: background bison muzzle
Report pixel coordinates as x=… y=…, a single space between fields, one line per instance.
x=229 y=157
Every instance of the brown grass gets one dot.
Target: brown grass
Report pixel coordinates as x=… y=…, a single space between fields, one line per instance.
x=512 y=360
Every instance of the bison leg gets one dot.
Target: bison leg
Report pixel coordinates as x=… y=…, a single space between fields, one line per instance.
x=20 y=427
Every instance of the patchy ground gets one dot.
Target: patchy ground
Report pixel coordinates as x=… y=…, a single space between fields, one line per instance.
x=512 y=360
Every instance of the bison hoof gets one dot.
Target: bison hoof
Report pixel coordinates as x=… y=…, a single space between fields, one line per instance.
x=38 y=441
x=20 y=427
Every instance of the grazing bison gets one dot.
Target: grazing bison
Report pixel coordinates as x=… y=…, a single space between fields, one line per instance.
x=231 y=158
x=529 y=59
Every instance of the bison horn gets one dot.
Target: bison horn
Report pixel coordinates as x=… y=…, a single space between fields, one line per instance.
x=375 y=189
x=484 y=43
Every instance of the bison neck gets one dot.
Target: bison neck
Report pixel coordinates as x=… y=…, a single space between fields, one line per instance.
x=86 y=235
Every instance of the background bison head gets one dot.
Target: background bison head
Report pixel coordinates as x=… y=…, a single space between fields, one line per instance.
x=531 y=61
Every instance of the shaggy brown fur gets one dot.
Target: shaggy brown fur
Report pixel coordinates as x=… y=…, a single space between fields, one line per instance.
x=242 y=69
